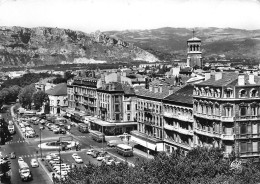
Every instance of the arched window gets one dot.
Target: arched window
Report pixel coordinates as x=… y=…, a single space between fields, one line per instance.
x=253 y=93
x=242 y=93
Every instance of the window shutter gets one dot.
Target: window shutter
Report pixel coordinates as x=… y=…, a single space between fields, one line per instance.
x=228 y=148
x=255 y=146
x=249 y=147
x=243 y=147
x=254 y=128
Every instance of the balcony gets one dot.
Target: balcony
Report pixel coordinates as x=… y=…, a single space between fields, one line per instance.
x=180 y=117
x=249 y=154
x=178 y=129
x=150 y=123
x=206 y=116
x=206 y=133
x=92 y=105
x=248 y=117
x=148 y=110
x=228 y=137
x=247 y=136
x=227 y=119
x=185 y=146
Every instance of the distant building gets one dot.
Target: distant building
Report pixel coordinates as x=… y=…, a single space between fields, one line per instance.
x=194 y=57
x=58 y=99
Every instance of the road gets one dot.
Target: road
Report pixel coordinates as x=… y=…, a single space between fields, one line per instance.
x=27 y=151
x=28 y=148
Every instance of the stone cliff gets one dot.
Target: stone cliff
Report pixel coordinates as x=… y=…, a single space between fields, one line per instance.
x=39 y=46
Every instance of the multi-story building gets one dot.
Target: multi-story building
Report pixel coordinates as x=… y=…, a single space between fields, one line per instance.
x=149 y=133
x=106 y=102
x=178 y=120
x=58 y=99
x=82 y=98
x=226 y=113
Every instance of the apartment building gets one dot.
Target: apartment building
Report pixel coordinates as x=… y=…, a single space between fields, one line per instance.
x=82 y=98
x=178 y=120
x=58 y=99
x=226 y=113
x=149 y=133
x=106 y=102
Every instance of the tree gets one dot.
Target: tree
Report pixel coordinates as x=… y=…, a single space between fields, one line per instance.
x=25 y=96
x=38 y=98
x=14 y=92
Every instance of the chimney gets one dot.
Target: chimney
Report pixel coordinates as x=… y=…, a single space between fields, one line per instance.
x=160 y=88
x=218 y=76
x=170 y=89
x=118 y=76
x=151 y=88
x=146 y=83
x=207 y=75
x=241 y=79
x=251 y=78
x=156 y=89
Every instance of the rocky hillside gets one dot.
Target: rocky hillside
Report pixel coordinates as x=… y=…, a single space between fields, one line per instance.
x=170 y=43
x=40 y=46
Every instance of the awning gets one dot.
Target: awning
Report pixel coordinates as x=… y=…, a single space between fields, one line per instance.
x=144 y=143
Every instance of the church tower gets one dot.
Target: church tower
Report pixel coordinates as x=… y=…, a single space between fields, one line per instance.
x=194 y=57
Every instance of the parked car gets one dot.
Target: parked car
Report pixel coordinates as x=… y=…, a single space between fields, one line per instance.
x=95 y=154
x=34 y=163
x=20 y=159
x=12 y=155
x=62 y=131
x=56 y=130
x=90 y=152
x=55 y=161
x=77 y=158
x=101 y=156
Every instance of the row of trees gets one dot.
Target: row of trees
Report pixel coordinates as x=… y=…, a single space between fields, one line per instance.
x=200 y=165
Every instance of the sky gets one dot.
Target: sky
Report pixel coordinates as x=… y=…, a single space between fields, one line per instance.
x=107 y=15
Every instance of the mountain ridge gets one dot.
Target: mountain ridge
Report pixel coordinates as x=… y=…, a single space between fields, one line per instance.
x=169 y=43
x=21 y=46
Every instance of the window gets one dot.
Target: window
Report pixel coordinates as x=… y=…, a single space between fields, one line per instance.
x=128 y=106
x=243 y=147
x=243 y=129
x=242 y=93
x=117 y=117
x=254 y=93
x=254 y=110
x=242 y=111
x=117 y=108
x=128 y=117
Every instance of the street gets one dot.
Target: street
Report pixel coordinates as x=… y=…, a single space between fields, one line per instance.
x=28 y=148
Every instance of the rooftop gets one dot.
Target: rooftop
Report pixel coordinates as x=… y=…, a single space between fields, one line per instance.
x=183 y=95
x=58 y=90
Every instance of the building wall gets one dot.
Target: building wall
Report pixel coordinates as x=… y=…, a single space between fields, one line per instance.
x=56 y=102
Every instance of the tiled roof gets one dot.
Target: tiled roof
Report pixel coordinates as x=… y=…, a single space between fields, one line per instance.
x=228 y=79
x=142 y=91
x=117 y=86
x=183 y=95
x=58 y=90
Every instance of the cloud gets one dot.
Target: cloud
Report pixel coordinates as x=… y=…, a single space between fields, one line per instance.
x=91 y=15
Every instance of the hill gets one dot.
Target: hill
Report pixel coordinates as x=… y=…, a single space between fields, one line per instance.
x=170 y=43
x=40 y=46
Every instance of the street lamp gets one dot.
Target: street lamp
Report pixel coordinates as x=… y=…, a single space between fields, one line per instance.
x=41 y=141
x=60 y=160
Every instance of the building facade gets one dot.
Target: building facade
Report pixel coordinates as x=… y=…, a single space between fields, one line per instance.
x=226 y=113
x=58 y=99
x=178 y=120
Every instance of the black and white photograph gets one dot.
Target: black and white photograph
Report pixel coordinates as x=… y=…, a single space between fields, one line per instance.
x=130 y=91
